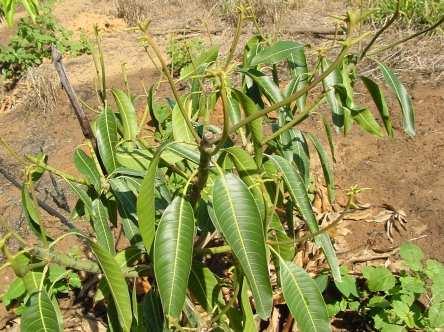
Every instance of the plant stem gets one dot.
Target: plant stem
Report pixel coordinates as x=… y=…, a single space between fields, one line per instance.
x=377 y=34
x=295 y=95
x=434 y=26
x=55 y=171
x=165 y=70
x=235 y=40
x=298 y=119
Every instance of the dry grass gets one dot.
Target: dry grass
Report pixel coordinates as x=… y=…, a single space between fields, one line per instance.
x=40 y=89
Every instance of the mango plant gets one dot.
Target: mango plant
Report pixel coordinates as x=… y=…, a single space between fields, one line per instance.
x=212 y=208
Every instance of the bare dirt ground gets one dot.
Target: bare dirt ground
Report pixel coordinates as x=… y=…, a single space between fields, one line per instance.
x=405 y=173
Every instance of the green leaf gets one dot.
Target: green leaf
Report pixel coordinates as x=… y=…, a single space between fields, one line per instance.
x=116 y=283
x=403 y=98
x=329 y=135
x=329 y=84
x=173 y=251
x=402 y=310
x=365 y=119
x=134 y=159
x=146 y=208
x=152 y=312
x=82 y=195
x=15 y=291
x=204 y=286
x=412 y=255
x=297 y=63
x=249 y=108
x=281 y=242
x=326 y=167
x=41 y=314
x=436 y=315
x=412 y=284
x=181 y=132
x=248 y=320
x=279 y=51
x=379 y=279
x=298 y=192
x=101 y=226
x=30 y=210
x=238 y=218
x=87 y=167
x=128 y=115
x=127 y=209
x=380 y=102
x=106 y=134
x=348 y=284
x=303 y=298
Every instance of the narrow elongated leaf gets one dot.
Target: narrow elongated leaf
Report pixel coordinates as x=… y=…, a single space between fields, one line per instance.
x=41 y=315
x=303 y=298
x=327 y=169
x=281 y=242
x=329 y=135
x=83 y=196
x=126 y=201
x=181 y=132
x=146 y=208
x=299 y=195
x=233 y=109
x=101 y=226
x=116 y=284
x=329 y=84
x=31 y=213
x=403 y=97
x=87 y=167
x=380 y=102
x=134 y=159
x=297 y=63
x=249 y=108
x=249 y=173
x=280 y=51
x=173 y=251
x=106 y=134
x=365 y=119
x=204 y=286
x=186 y=151
x=301 y=154
x=128 y=116
x=238 y=219
x=152 y=312
x=249 y=324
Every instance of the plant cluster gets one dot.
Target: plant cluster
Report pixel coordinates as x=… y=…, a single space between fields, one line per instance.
x=8 y=9
x=213 y=213
x=182 y=51
x=31 y=44
x=412 y=299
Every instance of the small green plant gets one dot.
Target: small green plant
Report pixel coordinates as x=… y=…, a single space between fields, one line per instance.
x=213 y=212
x=412 y=299
x=31 y=44
x=183 y=51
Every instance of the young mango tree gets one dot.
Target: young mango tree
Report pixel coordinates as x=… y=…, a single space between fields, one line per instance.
x=210 y=210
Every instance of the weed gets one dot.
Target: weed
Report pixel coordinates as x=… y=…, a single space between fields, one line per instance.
x=412 y=298
x=31 y=44
x=182 y=51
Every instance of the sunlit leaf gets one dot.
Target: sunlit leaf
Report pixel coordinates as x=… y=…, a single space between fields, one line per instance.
x=238 y=218
x=173 y=250
x=107 y=138
x=86 y=165
x=102 y=227
x=279 y=51
x=403 y=97
x=181 y=131
x=128 y=116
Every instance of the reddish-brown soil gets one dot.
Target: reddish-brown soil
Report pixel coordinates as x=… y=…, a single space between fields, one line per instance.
x=405 y=173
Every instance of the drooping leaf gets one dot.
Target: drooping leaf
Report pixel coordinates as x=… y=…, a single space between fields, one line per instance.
x=297 y=63
x=107 y=138
x=126 y=201
x=303 y=298
x=327 y=168
x=204 y=286
x=380 y=102
x=116 y=283
x=298 y=192
x=102 y=227
x=365 y=119
x=31 y=213
x=279 y=51
x=181 y=132
x=83 y=196
x=87 y=167
x=329 y=84
x=248 y=319
x=128 y=116
x=403 y=97
x=146 y=208
x=41 y=315
x=173 y=251
x=238 y=218
x=329 y=135
x=15 y=291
